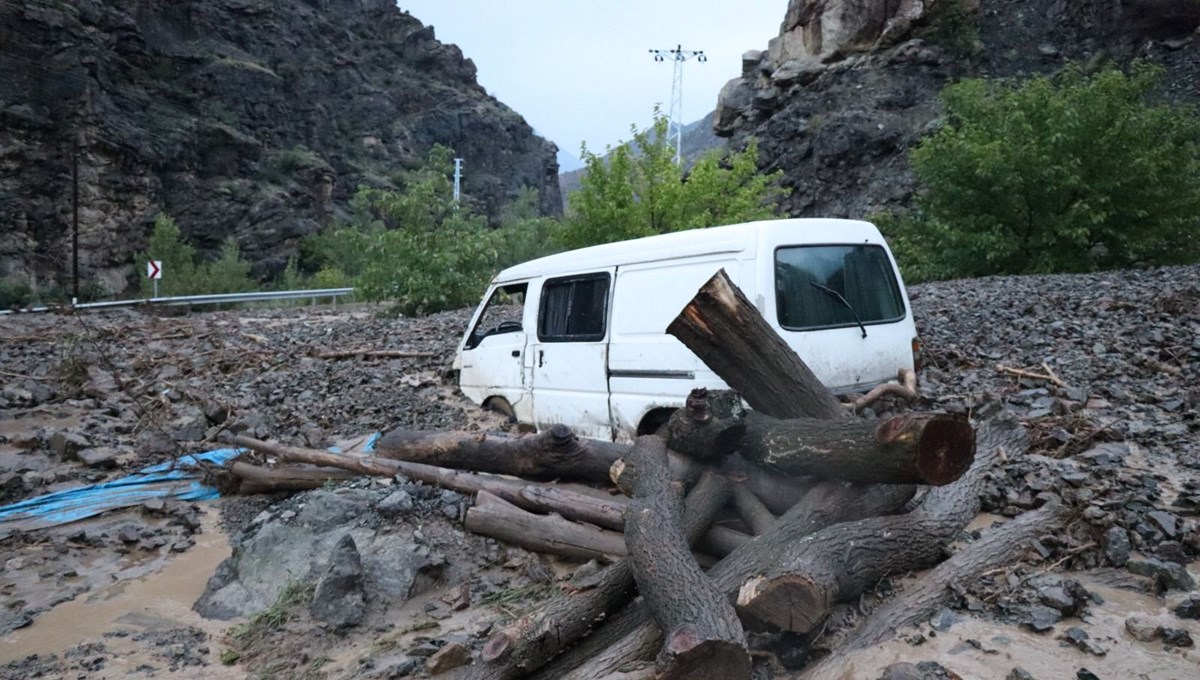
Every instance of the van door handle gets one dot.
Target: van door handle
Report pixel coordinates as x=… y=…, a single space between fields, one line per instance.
x=541 y=358
x=516 y=352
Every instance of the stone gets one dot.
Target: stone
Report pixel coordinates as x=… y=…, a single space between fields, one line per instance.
x=1079 y=638
x=1165 y=521
x=1168 y=575
x=1037 y=617
x=98 y=457
x=453 y=655
x=1141 y=628
x=128 y=534
x=67 y=445
x=1019 y=674
x=1085 y=674
x=1172 y=551
x=339 y=599
x=1188 y=608
x=925 y=670
x=396 y=503
x=1116 y=546
x=1176 y=637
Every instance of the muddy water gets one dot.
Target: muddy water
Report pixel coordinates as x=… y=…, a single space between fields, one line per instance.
x=996 y=649
x=153 y=595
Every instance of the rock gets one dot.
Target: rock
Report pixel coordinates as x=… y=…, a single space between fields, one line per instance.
x=67 y=445
x=1172 y=551
x=1168 y=575
x=129 y=534
x=453 y=655
x=1085 y=674
x=1165 y=521
x=1038 y=618
x=1079 y=638
x=339 y=599
x=1019 y=674
x=1188 y=608
x=1141 y=628
x=925 y=670
x=1116 y=546
x=99 y=457
x=397 y=503
x=1176 y=637
x=943 y=620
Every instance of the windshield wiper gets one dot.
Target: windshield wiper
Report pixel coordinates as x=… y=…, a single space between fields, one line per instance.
x=838 y=296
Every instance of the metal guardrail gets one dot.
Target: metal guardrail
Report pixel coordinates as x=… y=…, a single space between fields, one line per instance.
x=177 y=301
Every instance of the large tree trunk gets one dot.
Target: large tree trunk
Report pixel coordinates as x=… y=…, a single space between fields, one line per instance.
x=553 y=454
x=632 y=634
x=722 y=327
x=703 y=636
x=906 y=449
x=842 y=561
x=245 y=479
x=526 y=645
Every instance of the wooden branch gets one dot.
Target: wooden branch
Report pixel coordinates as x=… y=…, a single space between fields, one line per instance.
x=246 y=479
x=721 y=541
x=1048 y=376
x=906 y=389
x=494 y=517
x=918 y=601
x=907 y=449
x=751 y=509
x=722 y=327
x=709 y=426
x=703 y=636
x=553 y=454
x=526 y=645
x=607 y=512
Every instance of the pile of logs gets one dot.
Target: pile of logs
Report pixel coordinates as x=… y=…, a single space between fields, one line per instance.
x=826 y=505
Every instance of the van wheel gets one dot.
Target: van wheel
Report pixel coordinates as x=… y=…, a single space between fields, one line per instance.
x=654 y=421
x=500 y=405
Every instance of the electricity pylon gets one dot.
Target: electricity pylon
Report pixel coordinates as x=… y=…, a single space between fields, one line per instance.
x=675 y=119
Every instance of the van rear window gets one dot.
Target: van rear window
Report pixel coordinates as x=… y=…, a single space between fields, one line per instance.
x=826 y=286
x=574 y=309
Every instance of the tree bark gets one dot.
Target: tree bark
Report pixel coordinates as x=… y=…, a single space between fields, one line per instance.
x=906 y=449
x=842 y=561
x=607 y=512
x=529 y=643
x=553 y=454
x=708 y=426
x=703 y=636
x=497 y=518
x=752 y=511
x=994 y=549
x=722 y=327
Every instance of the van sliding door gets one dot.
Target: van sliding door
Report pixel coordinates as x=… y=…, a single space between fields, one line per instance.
x=570 y=354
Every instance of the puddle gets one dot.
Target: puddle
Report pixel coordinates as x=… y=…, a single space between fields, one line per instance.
x=156 y=594
x=997 y=649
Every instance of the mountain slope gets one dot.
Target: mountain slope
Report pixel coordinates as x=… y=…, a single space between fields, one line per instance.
x=252 y=118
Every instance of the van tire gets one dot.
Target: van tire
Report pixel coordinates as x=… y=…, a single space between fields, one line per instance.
x=500 y=405
x=654 y=421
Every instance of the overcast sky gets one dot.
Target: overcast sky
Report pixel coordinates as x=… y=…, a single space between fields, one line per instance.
x=580 y=70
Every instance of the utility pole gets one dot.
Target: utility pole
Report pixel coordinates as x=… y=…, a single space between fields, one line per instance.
x=75 y=219
x=457 y=178
x=675 y=121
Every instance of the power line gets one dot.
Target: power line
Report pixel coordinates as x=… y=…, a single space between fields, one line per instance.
x=675 y=119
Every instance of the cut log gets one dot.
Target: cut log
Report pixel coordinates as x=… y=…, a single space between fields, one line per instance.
x=245 y=479
x=529 y=643
x=907 y=449
x=708 y=426
x=632 y=634
x=778 y=492
x=995 y=548
x=751 y=509
x=497 y=518
x=553 y=454
x=607 y=512
x=703 y=636
x=722 y=327
x=840 y=562
x=721 y=541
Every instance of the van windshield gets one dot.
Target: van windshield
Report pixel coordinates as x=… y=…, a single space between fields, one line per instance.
x=805 y=277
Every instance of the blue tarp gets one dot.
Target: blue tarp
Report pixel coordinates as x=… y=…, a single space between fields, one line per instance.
x=178 y=480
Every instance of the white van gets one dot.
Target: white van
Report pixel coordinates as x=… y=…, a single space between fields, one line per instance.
x=579 y=338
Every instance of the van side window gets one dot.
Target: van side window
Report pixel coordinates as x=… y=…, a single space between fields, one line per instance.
x=502 y=314
x=574 y=308
x=827 y=286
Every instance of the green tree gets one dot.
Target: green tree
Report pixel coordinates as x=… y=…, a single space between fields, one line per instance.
x=230 y=273
x=1070 y=173
x=638 y=190
x=180 y=274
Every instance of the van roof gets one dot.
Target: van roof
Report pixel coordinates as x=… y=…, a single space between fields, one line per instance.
x=731 y=238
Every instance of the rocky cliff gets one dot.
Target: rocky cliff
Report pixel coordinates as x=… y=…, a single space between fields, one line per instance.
x=849 y=86
x=256 y=118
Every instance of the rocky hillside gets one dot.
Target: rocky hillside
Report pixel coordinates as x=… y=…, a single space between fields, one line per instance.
x=848 y=87
x=254 y=118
